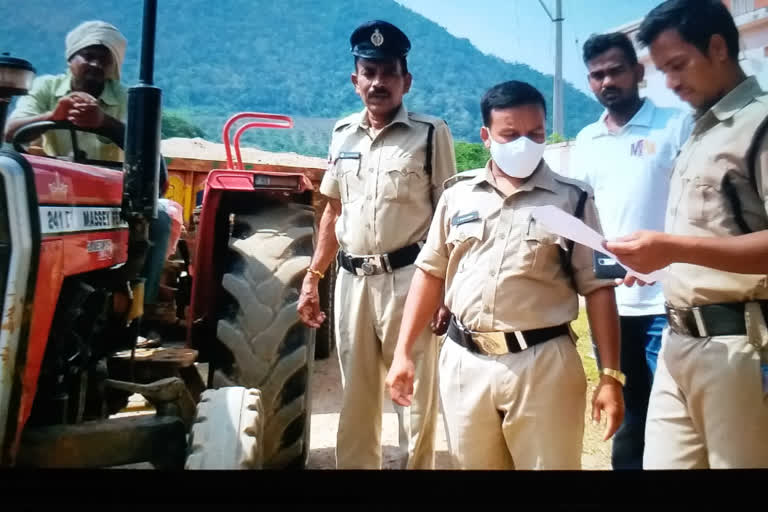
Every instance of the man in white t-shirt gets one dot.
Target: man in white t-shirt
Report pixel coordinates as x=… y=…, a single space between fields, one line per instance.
x=627 y=156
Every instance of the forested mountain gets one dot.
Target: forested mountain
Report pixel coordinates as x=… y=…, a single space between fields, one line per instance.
x=215 y=58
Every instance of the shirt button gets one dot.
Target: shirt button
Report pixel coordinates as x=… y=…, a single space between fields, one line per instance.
x=369 y=198
x=502 y=236
x=493 y=273
x=370 y=169
x=487 y=308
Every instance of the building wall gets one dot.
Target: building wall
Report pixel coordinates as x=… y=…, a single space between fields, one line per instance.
x=738 y=7
x=557 y=157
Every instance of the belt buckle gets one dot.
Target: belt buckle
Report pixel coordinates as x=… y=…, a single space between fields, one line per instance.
x=492 y=343
x=370 y=265
x=676 y=320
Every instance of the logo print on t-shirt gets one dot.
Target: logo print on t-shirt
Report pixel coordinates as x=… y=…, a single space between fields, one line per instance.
x=642 y=147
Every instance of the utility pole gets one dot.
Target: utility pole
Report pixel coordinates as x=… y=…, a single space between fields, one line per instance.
x=558 y=125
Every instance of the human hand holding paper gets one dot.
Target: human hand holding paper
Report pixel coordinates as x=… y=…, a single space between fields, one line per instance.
x=561 y=223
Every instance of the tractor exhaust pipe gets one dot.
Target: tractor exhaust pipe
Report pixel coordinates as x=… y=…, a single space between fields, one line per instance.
x=147 y=66
x=142 y=131
x=141 y=169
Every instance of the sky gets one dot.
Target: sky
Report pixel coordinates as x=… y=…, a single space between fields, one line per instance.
x=521 y=31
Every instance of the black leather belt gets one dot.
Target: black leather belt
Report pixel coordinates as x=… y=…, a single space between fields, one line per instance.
x=378 y=263
x=514 y=342
x=711 y=319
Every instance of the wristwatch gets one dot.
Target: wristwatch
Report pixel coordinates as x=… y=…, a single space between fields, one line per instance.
x=616 y=374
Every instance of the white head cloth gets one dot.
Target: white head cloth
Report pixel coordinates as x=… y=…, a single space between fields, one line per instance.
x=90 y=33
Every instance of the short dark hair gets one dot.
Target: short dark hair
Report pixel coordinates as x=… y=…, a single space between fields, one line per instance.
x=597 y=44
x=695 y=20
x=508 y=95
x=403 y=63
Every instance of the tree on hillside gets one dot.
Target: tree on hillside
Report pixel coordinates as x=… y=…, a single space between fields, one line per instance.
x=175 y=125
x=289 y=57
x=470 y=155
x=556 y=138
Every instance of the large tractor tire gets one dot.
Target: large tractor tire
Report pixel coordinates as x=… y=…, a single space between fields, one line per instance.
x=228 y=430
x=271 y=349
x=325 y=339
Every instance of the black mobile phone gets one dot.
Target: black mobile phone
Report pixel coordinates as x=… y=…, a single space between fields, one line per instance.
x=607 y=267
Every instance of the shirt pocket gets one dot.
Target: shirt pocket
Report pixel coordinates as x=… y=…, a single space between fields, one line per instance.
x=539 y=249
x=352 y=183
x=704 y=200
x=403 y=180
x=464 y=239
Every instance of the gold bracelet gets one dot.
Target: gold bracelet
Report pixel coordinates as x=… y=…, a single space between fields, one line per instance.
x=616 y=374
x=316 y=272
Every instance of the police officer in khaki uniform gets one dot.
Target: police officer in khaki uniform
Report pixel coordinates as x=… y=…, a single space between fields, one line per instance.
x=385 y=172
x=511 y=383
x=708 y=405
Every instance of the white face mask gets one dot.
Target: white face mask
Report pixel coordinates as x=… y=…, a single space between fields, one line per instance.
x=519 y=158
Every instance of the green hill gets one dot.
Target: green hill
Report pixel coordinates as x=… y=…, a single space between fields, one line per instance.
x=289 y=57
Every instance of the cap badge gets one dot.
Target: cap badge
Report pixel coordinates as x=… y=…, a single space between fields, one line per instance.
x=376 y=38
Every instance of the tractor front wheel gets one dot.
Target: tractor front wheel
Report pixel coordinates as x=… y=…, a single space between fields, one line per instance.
x=228 y=430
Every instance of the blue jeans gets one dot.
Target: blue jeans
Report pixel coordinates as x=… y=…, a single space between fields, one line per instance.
x=159 y=236
x=640 y=344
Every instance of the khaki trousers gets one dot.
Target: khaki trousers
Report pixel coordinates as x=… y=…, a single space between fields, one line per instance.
x=707 y=407
x=368 y=311
x=516 y=411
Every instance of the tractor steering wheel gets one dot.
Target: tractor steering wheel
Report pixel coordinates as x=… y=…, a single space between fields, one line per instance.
x=33 y=131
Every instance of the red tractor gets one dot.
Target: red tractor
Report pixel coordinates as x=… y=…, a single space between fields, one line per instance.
x=73 y=238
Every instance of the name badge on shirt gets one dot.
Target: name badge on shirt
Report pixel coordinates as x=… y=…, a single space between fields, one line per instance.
x=348 y=162
x=464 y=218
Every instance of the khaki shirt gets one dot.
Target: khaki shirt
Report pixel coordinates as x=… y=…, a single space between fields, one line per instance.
x=502 y=270
x=387 y=198
x=45 y=94
x=699 y=206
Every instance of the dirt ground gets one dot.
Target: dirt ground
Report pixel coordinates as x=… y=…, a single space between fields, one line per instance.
x=326 y=404
x=326 y=398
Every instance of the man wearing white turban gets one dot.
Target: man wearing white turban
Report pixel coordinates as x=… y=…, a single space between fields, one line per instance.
x=89 y=95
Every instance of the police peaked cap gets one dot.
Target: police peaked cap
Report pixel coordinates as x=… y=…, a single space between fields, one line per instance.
x=379 y=40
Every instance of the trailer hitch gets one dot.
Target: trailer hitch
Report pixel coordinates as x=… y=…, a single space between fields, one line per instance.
x=169 y=396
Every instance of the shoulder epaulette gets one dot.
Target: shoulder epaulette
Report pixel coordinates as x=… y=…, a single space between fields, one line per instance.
x=583 y=187
x=345 y=121
x=462 y=176
x=423 y=118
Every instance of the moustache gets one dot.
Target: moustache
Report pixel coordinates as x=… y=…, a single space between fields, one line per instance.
x=379 y=93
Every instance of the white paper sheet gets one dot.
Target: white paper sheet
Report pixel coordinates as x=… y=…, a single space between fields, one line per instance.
x=568 y=226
